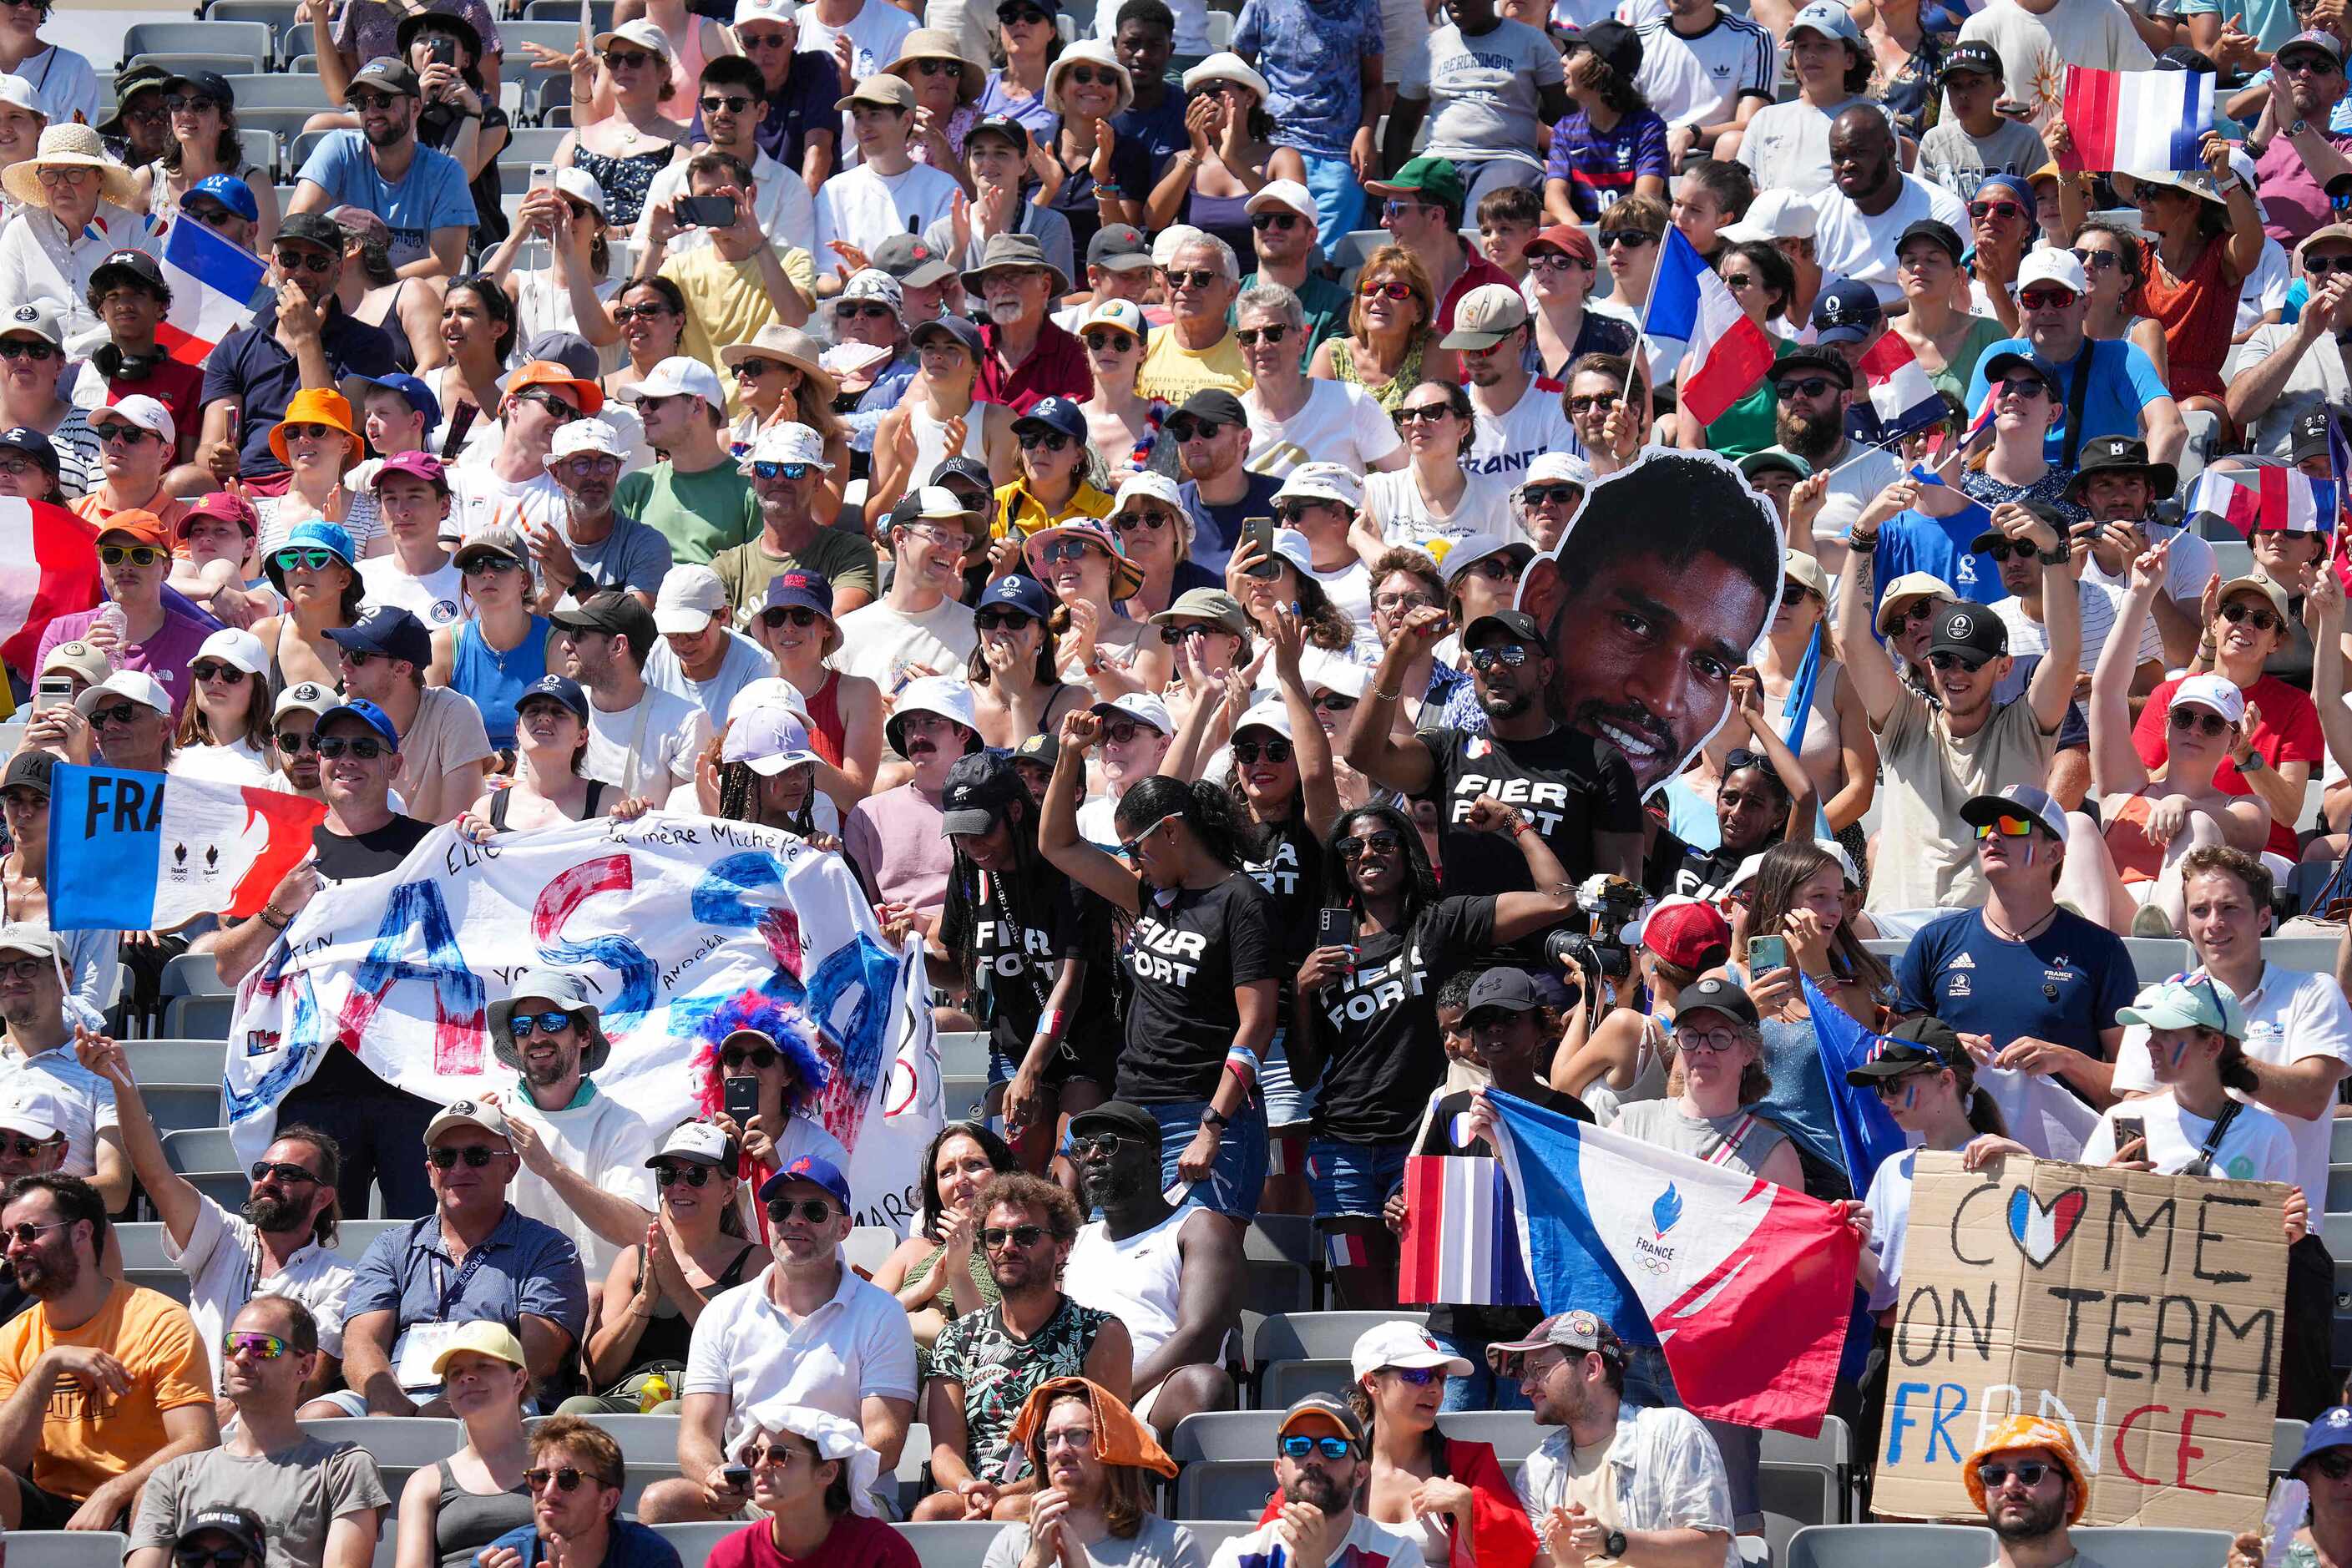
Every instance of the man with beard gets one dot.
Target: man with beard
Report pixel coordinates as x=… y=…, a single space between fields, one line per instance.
x=642 y=742
x=100 y=1383
x=1172 y=1276
x=894 y=836
x=37 y=1055
x=585 y=1156
x=987 y=1362
x=919 y=627
x=1651 y=603
x=1872 y=203
x=281 y=1243
x=320 y=1501
x=444 y=751
x=784 y=469
x=808 y=1331
x=420 y=192
x=475 y=1257
x=1934 y=756
x=294 y=724
x=1026 y=357
x=1321 y=1465
x=2029 y=1480
x=2296 y=146
x=1674 y=1505
x=1574 y=790
x=32 y=1118
x=1518 y=414
x=2121 y=391
x=589 y=546
x=1811 y=389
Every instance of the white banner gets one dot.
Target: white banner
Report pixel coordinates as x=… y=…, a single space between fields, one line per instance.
x=666 y=916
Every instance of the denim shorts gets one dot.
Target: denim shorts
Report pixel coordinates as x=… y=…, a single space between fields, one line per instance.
x=1353 y=1178
x=1234 y=1182
x=1286 y=1104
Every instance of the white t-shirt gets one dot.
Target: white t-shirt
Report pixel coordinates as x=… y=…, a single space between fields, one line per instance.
x=68 y=86
x=746 y=662
x=1483 y=92
x=1856 y=475
x=856 y=1346
x=2257 y=1146
x=1890 y=1219
x=2188 y=567
x=781 y=201
x=2266 y=286
x=1503 y=447
x=479 y=499
x=863 y=208
x=879 y=642
x=874 y=35
x=638 y=749
x=433 y=598
x=1850 y=243
x=1338 y=423
x=604 y=1141
x=1350 y=589
x=2291 y=1016
x=1685 y=79
x=237 y=763
x=2036 y=50
x=1786 y=145
x=88 y=1098
x=223 y=1263
x=1406 y=518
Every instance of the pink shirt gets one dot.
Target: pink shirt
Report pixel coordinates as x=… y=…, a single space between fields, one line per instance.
x=895 y=839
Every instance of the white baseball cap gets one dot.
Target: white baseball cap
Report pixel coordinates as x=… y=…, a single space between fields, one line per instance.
x=2052 y=265
x=691 y=598
x=1403 y=1346
x=786 y=442
x=32 y=1109
x=142 y=411
x=1140 y=705
x=644 y=32
x=1334 y=672
x=1148 y=487
x=586 y=436
x=136 y=684
x=1287 y=194
x=581 y=185
x=240 y=648
x=1124 y=314
x=780 y=12
x=677 y=376
x=697 y=1142
x=1558 y=468
x=1775 y=215
x=767 y=736
x=15 y=89
x=1324 y=481
x=2215 y=691
x=1271 y=714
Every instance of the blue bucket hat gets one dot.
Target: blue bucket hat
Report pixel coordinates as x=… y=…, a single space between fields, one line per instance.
x=331 y=537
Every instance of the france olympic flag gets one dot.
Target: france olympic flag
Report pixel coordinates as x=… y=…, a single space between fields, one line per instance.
x=1745 y=1286
x=139 y=851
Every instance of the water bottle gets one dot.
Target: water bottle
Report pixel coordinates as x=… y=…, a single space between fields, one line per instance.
x=110 y=615
x=656 y=1390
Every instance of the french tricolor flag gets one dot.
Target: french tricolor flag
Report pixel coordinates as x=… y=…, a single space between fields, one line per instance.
x=2277 y=501
x=1728 y=352
x=1900 y=393
x=1747 y=1286
x=141 y=851
x=1461 y=1239
x=2123 y=120
x=216 y=286
x=48 y=567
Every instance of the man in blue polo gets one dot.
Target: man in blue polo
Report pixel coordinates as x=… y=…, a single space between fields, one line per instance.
x=2107 y=387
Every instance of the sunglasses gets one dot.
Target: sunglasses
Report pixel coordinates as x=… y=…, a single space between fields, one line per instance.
x=2007 y=827
x=1250 y=337
x=1187 y=428
x=1283 y=221
x=1806 y=386
x=120 y=713
x=733 y=103
x=362 y=747
x=1185 y=276
x=1419 y=1377
x=2333 y=1463
x=1954 y=661
x=294 y=745
x=303 y=559
x=22 y=1147
x=627 y=59
x=1381 y=843
x=1003 y=620
x=371 y=102
x=277 y=1170
x=475 y=1156
x=1556 y=260
x=1058 y=549
x=219 y=1557
x=2022 y=386
x=1086 y=76
x=1024 y=1237
x=2260 y=620
x=816 y=1211
x=1739 y=280
x=1631 y=237
x=210 y=670
x=762 y=1057
x=760 y=40
x=490 y=565
x=1510 y=656
x=1171 y=636
x=1394 y=289
x=562 y=413
x=188 y=103
x=24 y=1233
x=2321 y=266
x=1248 y=753
x=2046 y=298
x=1131 y=847
x=259 y=1346
x=1547 y=495
x=1129 y=521
x=1917 y=614
x=1420 y=413
x=1300 y=1447
x=566 y=1479
x=117 y=432
x=2009 y=551
x=793 y=472
x=18 y=348
x=2031 y=1471
x=869 y=310
x=1333 y=702
x=692 y=1175
x=1052 y=441
x=137 y=554
x=939 y=67
x=2198 y=723
x=1123 y=733
x=753 y=369
x=624 y=314
x=1290 y=512
x=315 y=262
x=2098 y=260
x=1109 y=342
x=1995 y=209
x=1593 y=403
x=1107 y=1145
x=525 y=1024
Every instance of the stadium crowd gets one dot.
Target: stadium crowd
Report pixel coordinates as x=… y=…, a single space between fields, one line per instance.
x=1185 y=505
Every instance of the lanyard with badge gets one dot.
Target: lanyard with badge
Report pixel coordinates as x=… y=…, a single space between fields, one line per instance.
x=426 y=1341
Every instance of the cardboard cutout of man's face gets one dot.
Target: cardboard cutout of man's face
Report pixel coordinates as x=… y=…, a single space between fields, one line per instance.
x=1654 y=596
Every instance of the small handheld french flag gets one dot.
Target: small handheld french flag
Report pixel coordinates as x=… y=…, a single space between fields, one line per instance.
x=216 y=285
x=1460 y=1241
x=1900 y=393
x=2279 y=500
x=1728 y=352
x=2123 y=120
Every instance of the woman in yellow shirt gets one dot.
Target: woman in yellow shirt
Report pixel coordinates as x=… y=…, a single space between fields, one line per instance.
x=1051 y=487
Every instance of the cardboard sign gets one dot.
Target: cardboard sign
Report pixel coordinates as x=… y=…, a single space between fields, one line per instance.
x=2145 y=1313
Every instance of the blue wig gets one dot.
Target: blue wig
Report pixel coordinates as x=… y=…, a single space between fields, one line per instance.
x=756 y=1011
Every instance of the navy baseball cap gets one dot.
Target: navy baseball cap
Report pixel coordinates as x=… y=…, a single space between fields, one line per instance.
x=1846 y=312
x=1021 y=592
x=959 y=328
x=367 y=713
x=813 y=1168
x=230 y=192
x=388 y=632
x=561 y=688
x=1055 y=414
x=808 y=590
x=31 y=443
x=1003 y=125
x=970 y=470
x=419 y=396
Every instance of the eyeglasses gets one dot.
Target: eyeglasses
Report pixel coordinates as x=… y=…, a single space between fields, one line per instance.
x=1248 y=753
x=362 y=747
x=624 y=314
x=753 y=369
x=525 y=1024
x=733 y=103
x=1299 y=1446
x=816 y=1211
x=18 y=348
x=1129 y=521
x=1283 y=221
x=2098 y=260
x=2006 y=828
x=627 y=59
x=24 y=1233
x=1191 y=427
x=188 y=103
x=752 y=40
x=54 y=177
x=278 y=1171
x=1393 y=288
x=670 y=1175
x=210 y=670
x=1102 y=1145
x=1052 y=441
x=1705 y=1042
x=1805 y=386
x=2198 y=723
x=120 y=713
x=1917 y=614
x=1509 y=655
x=1250 y=337
x=1131 y=847
x=1419 y=413
x=1954 y=661
x=2260 y=619
x=762 y=1057
x=2045 y=298
x=1101 y=342
x=146 y=114
x=1995 y=209
x=475 y=1156
x=1995 y=1475
x=1396 y=207
x=137 y=554
x=259 y=1346
x=303 y=559
x=2308 y=65
x=790 y=472
x=1171 y=636
x=566 y=1479
x=1395 y=602
x=1185 y=276
x=1383 y=843
x=1592 y=402
x=997 y=618
x=1634 y=238
x=1024 y=1237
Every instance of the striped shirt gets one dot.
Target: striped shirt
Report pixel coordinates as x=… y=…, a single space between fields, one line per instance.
x=1686 y=78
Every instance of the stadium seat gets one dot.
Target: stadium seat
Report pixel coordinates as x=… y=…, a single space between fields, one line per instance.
x=402 y=1445
x=600 y=13
x=2339 y=1144
x=176 y=1060
x=300 y=147
x=2339 y=1189
x=278 y=15
x=963 y=1053
x=529 y=144
x=200 y=60
x=1875 y=1545
x=2286 y=1442
x=1221 y=30
x=198 y=1149
x=1297 y=1352
x=648 y=1451
x=1804 y=1481
x=2336 y=1229
x=867 y=1246
x=1230 y=1488
x=252 y=42
x=2149 y=1548
x=2315 y=953
x=66 y=1548
x=2232 y=558
x=177 y=1105
x=957 y=1543
x=963 y=1096
x=694 y=1543
x=1512 y=1433
x=285 y=121
x=2155 y=957
x=259 y=148
x=354 y=1237
x=280 y=91
x=1356 y=248
x=1225 y=1435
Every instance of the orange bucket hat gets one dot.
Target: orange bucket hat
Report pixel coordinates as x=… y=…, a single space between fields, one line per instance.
x=2029 y=1432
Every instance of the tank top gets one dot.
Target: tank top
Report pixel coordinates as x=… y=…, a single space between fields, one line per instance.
x=464 y=1522
x=1649 y=1076
x=1225 y=219
x=931 y=438
x=1741 y=1141
x=686 y=69
x=1389 y=397
x=668 y=1332
x=826 y=730
x=1137 y=1280
x=501 y=800
x=494 y=679
x=625 y=178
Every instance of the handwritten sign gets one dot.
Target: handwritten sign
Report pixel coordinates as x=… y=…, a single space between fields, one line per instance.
x=2142 y=1312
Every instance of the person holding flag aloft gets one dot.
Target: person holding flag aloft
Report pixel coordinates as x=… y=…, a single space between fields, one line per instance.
x=2207 y=239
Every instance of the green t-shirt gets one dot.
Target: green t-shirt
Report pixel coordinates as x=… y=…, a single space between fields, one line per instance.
x=845 y=560
x=701 y=514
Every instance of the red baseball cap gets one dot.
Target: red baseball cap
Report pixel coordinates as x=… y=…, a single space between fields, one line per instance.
x=1687 y=933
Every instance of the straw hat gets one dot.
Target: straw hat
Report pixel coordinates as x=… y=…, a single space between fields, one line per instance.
x=937 y=44
x=317 y=405
x=792 y=346
x=70 y=147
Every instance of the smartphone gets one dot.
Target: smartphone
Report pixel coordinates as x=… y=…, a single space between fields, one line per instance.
x=53 y=691
x=1261 y=529
x=741 y=1098
x=2128 y=1128
x=1337 y=928
x=737 y=1476
x=542 y=177
x=442 y=49
x=705 y=212
x=1764 y=954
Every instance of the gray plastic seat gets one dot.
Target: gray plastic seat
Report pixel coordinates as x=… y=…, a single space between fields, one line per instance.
x=2153 y=1548
x=1876 y=1546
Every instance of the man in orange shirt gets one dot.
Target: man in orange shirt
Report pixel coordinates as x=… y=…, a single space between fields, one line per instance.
x=136 y=438
x=101 y=1381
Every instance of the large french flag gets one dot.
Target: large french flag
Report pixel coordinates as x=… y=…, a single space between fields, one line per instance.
x=2278 y=500
x=48 y=567
x=216 y=286
x=1745 y=1286
x=1900 y=393
x=2123 y=120
x=1728 y=352
x=1461 y=1239
x=139 y=851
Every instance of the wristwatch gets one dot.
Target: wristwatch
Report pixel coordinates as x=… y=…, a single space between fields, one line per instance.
x=2254 y=764
x=1216 y=1120
x=2058 y=557
x=1614 y=1544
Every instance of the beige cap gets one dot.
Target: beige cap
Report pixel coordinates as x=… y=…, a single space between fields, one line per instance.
x=78 y=657
x=483 y=1337
x=1800 y=567
x=887 y=90
x=2266 y=588
x=479 y=1113
x=306 y=696
x=1483 y=317
x=1909 y=586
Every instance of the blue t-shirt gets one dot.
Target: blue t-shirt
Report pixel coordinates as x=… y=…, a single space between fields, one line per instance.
x=631 y=1545
x=1914 y=542
x=2063 y=986
x=1311 y=53
x=1042 y=123
x=2123 y=382
x=1159 y=131
x=1601 y=166
x=431 y=195
x=1216 y=528
x=2272 y=22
